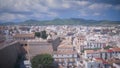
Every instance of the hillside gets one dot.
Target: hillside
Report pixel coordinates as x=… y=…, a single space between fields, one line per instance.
x=71 y=21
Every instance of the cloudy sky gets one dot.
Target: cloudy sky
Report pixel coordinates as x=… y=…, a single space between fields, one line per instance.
x=21 y=10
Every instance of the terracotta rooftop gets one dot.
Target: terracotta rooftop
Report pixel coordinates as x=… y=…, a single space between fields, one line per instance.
x=65 y=52
x=101 y=60
x=109 y=50
x=90 y=51
x=24 y=35
x=115 y=49
x=65 y=46
x=103 y=50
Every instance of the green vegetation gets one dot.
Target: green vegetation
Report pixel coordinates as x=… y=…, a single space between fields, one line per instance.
x=41 y=34
x=37 y=34
x=42 y=61
x=90 y=49
x=71 y=21
x=107 y=47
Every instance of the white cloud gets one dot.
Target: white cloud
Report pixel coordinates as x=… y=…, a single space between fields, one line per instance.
x=66 y=5
x=117 y=7
x=83 y=13
x=83 y=3
x=26 y=9
x=51 y=3
x=6 y=17
x=53 y=14
x=57 y=4
x=37 y=8
x=99 y=6
x=96 y=14
x=17 y=9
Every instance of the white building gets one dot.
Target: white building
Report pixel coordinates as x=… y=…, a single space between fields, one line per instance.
x=102 y=53
x=65 y=55
x=96 y=63
x=116 y=65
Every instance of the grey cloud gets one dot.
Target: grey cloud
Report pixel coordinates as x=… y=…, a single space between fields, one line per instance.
x=25 y=9
x=112 y=2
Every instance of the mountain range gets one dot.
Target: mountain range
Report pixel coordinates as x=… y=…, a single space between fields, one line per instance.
x=58 y=21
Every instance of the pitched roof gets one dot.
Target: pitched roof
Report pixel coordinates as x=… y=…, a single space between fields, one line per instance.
x=24 y=35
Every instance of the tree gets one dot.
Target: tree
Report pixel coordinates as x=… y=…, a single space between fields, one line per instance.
x=41 y=34
x=107 y=47
x=42 y=61
x=37 y=34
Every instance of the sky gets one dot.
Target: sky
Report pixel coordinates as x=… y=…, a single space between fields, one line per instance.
x=21 y=10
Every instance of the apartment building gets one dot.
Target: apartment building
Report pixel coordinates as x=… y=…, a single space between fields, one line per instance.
x=66 y=55
x=78 y=42
x=102 y=53
x=96 y=63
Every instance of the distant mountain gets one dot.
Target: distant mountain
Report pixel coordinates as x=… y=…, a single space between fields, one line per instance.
x=7 y=23
x=70 y=21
